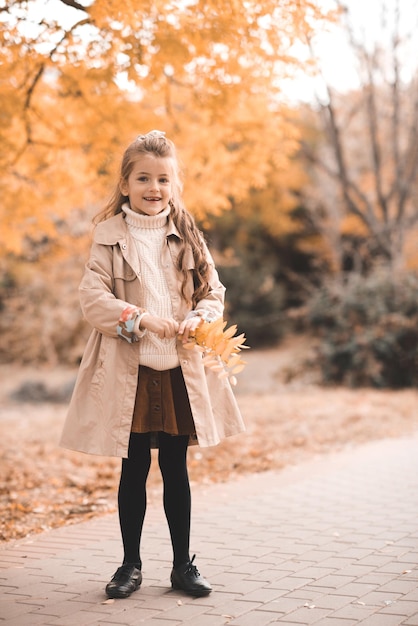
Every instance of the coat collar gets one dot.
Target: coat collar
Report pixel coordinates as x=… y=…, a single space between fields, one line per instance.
x=115 y=229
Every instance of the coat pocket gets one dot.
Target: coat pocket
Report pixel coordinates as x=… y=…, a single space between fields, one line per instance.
x=124 y=285
x=122 y=270
x=98 y=376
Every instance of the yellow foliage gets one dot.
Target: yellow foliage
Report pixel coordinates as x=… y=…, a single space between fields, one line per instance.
x=353 y=225
x=74 y=96
x=220 y=348
x=411 y=249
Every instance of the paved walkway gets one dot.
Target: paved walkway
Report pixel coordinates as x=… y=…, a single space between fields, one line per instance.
x=333 y=542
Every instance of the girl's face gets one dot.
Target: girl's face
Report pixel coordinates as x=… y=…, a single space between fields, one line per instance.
x=149 y=185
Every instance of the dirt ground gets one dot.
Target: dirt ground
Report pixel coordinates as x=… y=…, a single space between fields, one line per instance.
x=289 y=418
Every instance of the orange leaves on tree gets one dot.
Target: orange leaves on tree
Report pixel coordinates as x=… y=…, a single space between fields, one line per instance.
x=220 y=348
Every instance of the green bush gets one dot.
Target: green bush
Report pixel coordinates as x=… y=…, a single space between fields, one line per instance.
x=264 y=275
x=369 y=330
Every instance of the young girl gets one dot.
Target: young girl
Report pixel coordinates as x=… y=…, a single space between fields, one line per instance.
x=148 y=284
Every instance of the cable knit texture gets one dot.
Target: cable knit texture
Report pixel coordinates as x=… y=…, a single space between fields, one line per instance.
x=149 y=234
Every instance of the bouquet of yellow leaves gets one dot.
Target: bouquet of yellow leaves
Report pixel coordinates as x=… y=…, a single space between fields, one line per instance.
x=220 y=348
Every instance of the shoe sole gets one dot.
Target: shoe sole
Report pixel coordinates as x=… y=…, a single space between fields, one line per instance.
x=196 y=594
x=114 y=595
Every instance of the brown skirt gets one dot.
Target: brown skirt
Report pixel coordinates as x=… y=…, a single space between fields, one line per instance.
x=162 y=403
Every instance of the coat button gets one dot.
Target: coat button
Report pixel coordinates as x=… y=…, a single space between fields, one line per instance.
x=185 y=361
x=124 y=246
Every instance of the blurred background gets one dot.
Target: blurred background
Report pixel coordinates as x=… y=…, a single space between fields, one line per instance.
x=297 y=126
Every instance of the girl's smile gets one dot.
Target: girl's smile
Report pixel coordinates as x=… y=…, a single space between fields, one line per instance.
x=149 y=186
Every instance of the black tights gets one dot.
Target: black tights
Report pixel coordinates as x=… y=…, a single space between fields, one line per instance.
x=132 y=496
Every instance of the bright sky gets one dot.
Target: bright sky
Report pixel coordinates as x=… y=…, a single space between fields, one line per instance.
x=372 y=20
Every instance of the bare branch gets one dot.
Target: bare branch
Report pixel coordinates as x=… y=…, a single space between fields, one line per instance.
x=409 y=164
x=396 y=112
x=31 y=88
x=74 y=5
x=374 y=134
x=357 y=202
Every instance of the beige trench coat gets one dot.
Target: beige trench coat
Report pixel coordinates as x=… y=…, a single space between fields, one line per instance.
x=100 y=413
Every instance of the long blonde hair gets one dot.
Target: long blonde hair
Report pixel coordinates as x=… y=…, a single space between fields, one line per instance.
x=156 y=144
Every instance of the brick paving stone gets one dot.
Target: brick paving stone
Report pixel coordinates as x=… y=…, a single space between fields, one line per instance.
x=112 y=622
x=283 y=605
x=41 y=589
x=332 y=601
x=356 y=589
x=153 y=621
x=401 y=607
x=411 y=558
x=337 y=621
x=356 y=570
x=291 y=582
x=399 y=567
x=380 y=598
x=291 y=566
x=335 y=563
x=354 y=611
x=136 y=614
x=80 y=618
x=255 y=618
x=356 y=553
x=264 y=595
x=307 y=616
x=10 y=610
x=27 y=619
x=315 y=572
x=204 y=620
x=400 y=586
x=305 y=594
x=216 y=598
x=234 y=608
x=186 y=611
x=262 y=574
x=375 y=578
x=318 y=556
x=332 y=581
x=378 y=619
x=236 y=584
x=60 y=609
x=157 y=600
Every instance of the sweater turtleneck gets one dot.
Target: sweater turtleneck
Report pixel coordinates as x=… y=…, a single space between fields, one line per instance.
x=149 y=234
x=136 y=220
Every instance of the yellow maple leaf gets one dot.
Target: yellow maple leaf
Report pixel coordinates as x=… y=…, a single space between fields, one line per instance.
x=220 y=348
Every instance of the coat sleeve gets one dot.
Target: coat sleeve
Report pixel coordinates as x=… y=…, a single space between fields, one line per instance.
x=211 y=307
x=106 y=313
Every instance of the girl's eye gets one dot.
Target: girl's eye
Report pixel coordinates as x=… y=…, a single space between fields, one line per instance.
x=164 y=180
x=142 y=179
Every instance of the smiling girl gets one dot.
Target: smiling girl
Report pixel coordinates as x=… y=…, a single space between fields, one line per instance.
x=148 y=284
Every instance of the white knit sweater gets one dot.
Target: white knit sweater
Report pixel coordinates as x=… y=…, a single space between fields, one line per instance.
x=149 y=234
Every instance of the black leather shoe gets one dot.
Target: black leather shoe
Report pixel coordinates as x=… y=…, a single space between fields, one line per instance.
x=125 y=581
x=187 y=578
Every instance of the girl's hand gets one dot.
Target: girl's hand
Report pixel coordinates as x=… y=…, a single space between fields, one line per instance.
x=165 y=328
x=188 y=327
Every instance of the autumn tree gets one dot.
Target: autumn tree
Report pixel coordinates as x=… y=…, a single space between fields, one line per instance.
x=364 y=151
x=79 y=80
